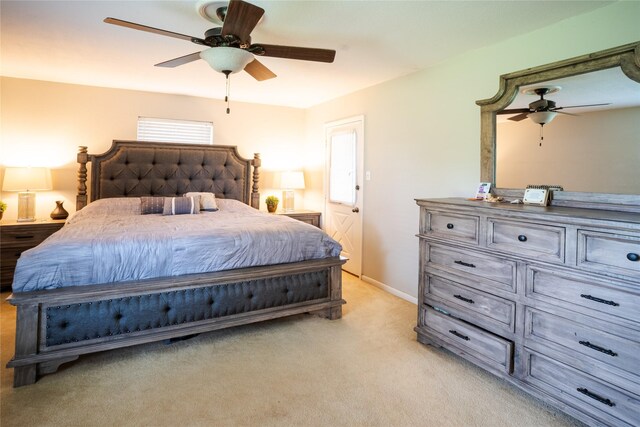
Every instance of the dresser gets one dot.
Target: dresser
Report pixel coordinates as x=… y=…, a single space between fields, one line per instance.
x=547 y=298
x=16 y=237
x=310 y=217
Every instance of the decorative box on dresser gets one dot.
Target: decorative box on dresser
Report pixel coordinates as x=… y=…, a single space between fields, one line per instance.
x=17 y=237
x=545 y=297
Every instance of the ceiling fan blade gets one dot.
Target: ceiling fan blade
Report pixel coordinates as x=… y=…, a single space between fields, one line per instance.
x=514 y=111
x=179 y=61
x=258 y=71
x=141 y=27
x=519 y=117
x=578 y=106
x=241 y=19
x=303 y=53
x=568 y=114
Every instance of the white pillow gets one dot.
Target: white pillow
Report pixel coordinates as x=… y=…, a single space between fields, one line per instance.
x=207 y=201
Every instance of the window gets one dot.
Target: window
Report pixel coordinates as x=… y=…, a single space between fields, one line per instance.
x=169 y=130
x=342 y=168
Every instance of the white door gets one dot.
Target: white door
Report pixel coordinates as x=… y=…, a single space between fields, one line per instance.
x=344 y=184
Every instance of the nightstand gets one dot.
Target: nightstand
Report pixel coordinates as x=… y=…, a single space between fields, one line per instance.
x=16 y=237
x=310 y=217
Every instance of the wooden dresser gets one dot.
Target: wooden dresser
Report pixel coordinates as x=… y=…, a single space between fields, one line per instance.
x=310 y=217
x=17 y=237
x=545 y=297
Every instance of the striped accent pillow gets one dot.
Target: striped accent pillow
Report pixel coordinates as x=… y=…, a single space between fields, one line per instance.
x=151 y=205
x=181 y=205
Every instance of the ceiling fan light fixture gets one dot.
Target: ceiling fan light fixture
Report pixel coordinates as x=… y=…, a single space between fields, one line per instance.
x=542 y=117
x=230 y=59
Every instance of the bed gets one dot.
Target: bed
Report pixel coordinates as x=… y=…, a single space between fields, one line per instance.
x=87 y=303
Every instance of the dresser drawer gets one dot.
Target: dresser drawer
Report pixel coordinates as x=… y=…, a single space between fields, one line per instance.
x=583 y=340
x=608 y=403
x=445 y=225
x=608 y=252
x=542 y=242
x=583 y=294
x=476 y=306
x=21 y=236
x=490 y=349
x=501 y=272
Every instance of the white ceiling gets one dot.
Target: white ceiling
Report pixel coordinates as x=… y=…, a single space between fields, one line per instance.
x=66 y=41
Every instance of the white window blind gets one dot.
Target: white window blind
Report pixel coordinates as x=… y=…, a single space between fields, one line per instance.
x=169 y=130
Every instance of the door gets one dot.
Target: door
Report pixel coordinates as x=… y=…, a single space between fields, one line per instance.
x=344 y=185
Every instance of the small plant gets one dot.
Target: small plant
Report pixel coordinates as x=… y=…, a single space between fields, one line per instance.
x=272 y=203
x=3 y=206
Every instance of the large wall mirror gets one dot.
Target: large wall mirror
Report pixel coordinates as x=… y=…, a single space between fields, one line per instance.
x=593 y=152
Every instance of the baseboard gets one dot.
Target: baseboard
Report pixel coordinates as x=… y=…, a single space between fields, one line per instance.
x=389 y=289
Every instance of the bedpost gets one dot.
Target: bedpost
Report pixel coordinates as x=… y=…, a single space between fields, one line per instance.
x=255 y=194
x=83 y=158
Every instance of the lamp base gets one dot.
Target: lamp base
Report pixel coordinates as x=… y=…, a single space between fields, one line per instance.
x=26 y=206
x=288 y=200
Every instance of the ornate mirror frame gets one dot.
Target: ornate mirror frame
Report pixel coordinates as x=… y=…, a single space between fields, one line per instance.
x=627 y=57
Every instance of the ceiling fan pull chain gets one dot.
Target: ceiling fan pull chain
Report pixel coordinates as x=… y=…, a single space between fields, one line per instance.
x=226 y=96
x=541 y=135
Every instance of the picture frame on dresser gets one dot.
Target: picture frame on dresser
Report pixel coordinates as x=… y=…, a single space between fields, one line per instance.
x=544 y=297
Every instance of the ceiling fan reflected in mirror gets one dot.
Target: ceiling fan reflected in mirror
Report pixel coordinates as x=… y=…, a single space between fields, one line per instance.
x=229 y=48
x=542 y=111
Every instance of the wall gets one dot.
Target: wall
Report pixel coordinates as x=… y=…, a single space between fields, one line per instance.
x=43 y=123
x=422 y=132
x=594 y=152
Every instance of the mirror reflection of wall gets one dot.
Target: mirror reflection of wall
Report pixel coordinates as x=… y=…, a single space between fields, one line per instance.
x=594 y=152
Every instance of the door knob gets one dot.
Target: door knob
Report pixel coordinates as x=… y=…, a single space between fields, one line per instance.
x=356 y=210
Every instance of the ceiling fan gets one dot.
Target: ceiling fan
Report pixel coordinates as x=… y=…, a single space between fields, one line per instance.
x=229 y=48
x=543 y=110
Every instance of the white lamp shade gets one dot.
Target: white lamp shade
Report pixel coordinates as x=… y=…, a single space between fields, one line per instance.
x=292 y=180
x=224 y=58
x=26 y=179
x=542 y=117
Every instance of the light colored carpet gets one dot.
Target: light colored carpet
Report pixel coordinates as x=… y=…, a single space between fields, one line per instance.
x=365 y=369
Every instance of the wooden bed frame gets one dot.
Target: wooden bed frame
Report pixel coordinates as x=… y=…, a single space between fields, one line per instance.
x=132 y=168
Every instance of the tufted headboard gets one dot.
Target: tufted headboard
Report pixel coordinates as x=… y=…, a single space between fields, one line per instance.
x=136 y=168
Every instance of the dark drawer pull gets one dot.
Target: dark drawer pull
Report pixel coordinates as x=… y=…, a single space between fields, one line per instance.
x=602 y=301
x=459 y=335
x=595 y=396
x=598 y=348
x=24 y=236
x=460 y=297
x=522 y=238
x=450 y=226
x=466 y=264
x=633 y=257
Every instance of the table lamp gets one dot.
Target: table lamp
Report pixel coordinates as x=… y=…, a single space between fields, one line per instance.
x=290 y=181
x=25 y=180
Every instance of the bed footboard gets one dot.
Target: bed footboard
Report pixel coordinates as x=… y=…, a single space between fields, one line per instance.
x=57 y=326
